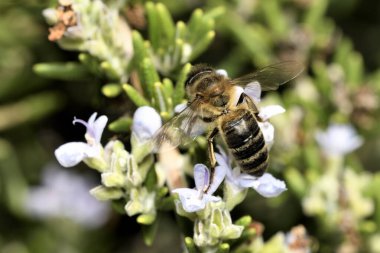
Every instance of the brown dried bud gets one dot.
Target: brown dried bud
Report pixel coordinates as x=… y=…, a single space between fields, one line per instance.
x=66 y=17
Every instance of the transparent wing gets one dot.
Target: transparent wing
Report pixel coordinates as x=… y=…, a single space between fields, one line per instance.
x=270 y=77
x=181 y=129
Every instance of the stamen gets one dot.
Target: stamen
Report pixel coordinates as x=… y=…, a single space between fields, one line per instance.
x=80 y=121
x=89 y=129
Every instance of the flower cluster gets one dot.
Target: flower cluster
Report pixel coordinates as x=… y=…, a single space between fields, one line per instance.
x=94 y=28
x=72 y=153
x=123 y=174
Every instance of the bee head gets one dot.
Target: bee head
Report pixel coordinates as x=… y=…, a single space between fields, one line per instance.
x=196 y=73
x=203 y=82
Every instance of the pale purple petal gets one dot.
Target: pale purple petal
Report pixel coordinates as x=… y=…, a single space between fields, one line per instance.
x=91 y=120
x=210 y=198
x=94 y=127
x=222 y=72
x=180 y=107
x=270 y=111
x=72 y=153
x=193 y=200
x=247 y=181
x=339 y=139
x=65 y=194
x=224 y=163
x=268 y=186
x=146 y=121
x=268 y=132
x=190 y=199
x=219 y=175
x=98 y=127
x=222 y=160
x=253 y=90
x=201 y=176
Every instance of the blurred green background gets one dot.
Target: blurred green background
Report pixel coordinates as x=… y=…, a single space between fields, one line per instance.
x=35 y=116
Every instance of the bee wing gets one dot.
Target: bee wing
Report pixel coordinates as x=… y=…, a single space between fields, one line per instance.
x=181 y=129
x=269 y=78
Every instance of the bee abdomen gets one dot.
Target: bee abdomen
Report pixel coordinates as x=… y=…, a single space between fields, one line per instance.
x=256 y=164
x=246 y=142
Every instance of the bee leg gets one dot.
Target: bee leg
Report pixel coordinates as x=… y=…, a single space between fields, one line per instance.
x=250 y=102
x=211 y=154
x=253 y=106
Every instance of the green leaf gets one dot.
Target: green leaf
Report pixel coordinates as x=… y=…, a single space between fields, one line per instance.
x=195 y=21
x=139 y=46
x=181 y=30
x=120 y=125
x=259 y=51
x=14 y=187
x=150 y=76
x=181 y=54
x=168 y=87
x=154 y=25
x=160 y=99
x=135 y=96
x=275 y=17
x=166 y=204
x=67 y=71
x=190 y=245
x=90 y=62
x=201 y=30
x=321 y=78
x=202 y=44
x=244 y=221
x=31 y=108
x=111 y=90
x=223 y=248
x=146 y=219
x=166 y=24
x=109 y=70
x=343 y=49
x=354 y=69
x=179 y=90
x=149 y=232
x=296 y=181
x=103 y=193
x=214 y=13
x=151 y=180
x=315 y=13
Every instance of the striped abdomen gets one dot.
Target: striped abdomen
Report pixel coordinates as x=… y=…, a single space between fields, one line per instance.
x=246 y=142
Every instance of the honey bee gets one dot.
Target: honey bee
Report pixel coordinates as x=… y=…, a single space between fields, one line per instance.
x=228 y=107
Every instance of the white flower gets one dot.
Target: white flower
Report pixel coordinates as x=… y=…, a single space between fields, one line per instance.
x=65 y=194
x=338 y=139
x=270 y=111
x=70 y=154
x=266 y=185
x=193 y=200
x=222 y=72
x=146 y=121
x=180 y=107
